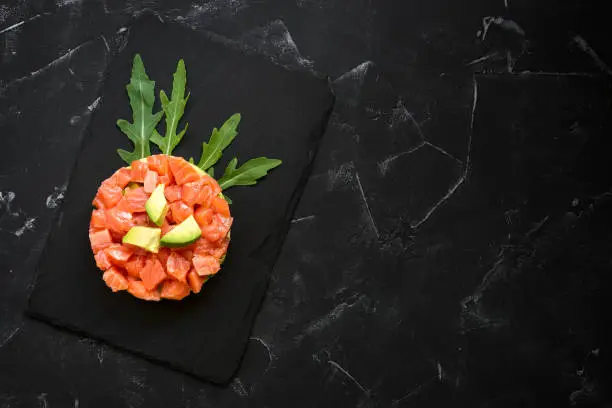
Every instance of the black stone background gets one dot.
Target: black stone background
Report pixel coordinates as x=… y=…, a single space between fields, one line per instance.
x=453 y=246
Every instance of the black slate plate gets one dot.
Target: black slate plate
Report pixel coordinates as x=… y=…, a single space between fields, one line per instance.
x=284 y=115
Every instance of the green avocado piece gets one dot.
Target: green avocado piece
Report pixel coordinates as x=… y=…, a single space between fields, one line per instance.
x=157 y=206
x=143 y=237
x=131 y=185
x=186 y=233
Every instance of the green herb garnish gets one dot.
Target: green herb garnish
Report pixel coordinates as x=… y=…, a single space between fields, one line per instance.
x=142 y=131
x=248 y=173
x=142 y=97
x=173 y=109
x=219 y=140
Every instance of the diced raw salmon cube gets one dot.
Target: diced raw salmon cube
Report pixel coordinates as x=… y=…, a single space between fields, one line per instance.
x=196 y=281
x=138 y=289
x=152 y=274
x=206 y=264
x=150 y=181
x=115 y=280
x=175 y=290
x=100 y=239
x=177 y=267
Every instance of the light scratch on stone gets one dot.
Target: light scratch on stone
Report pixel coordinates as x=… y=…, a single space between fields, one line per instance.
x=463 y=177
x=401 y=112
x=54 y=199
x=90 y=108
x=100 y=355
x=271 y=355
x=105 y=43
x=584 y=46
x=487 y=279
x=5 y=201
x=501 y=22
x=10 y=337
x=371 y=218
x=332 y=316
x=137 y=380
x=440 y=202
x=384 y=165
x=51 y=64
x=538 y=226
x=346 y=373
x=470 y=305
x=444 y=152
x=28 y=225
x=94 y=104
x=275 y=42
x=19 y=24
x=412 y=393
x=239 y=388
x=359 y=72
x=588 y=388
x=307 y=218
x=14 y=26
x=343 y=175
x=483 y=58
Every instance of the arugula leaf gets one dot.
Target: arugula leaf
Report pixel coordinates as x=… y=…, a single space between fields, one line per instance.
x=174 y=109
x=219 y=140
x=140 y=90
x=248 y=173
x=142 y=131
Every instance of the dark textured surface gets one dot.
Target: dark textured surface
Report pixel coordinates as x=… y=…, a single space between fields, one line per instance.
x=452 y=247
x=284 y=115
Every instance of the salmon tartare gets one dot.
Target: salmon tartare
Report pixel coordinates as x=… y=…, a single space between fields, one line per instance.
x=160 y=228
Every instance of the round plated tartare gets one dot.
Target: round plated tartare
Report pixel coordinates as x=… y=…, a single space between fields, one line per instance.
x=160 y=228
